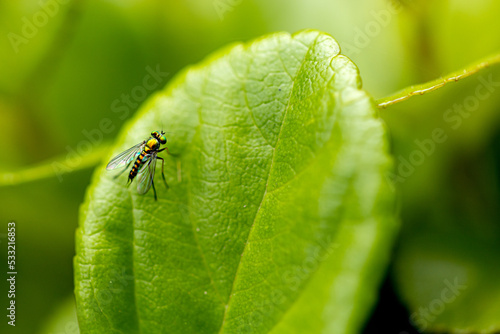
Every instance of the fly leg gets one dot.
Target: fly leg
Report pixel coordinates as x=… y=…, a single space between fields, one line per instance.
x=154 y=189
x=163 y=171
x=166 y=148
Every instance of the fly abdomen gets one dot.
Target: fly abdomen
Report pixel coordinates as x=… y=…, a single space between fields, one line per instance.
x=135 y=168
x=133 y=173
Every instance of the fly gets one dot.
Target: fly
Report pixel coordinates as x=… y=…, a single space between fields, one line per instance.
x=144 y=156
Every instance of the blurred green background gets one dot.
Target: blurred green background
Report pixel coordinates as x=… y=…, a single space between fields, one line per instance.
x=69 y=69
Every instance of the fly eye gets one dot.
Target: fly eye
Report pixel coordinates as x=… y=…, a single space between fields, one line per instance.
x=163 y=139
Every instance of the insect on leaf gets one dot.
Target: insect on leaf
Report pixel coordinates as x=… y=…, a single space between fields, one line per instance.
x=282 y=221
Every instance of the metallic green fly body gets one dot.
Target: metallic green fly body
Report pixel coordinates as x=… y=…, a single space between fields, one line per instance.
x=144 y=156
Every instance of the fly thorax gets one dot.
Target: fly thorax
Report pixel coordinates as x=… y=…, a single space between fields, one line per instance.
x=153 y=144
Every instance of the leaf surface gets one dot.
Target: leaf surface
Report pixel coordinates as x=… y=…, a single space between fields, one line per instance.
x=278 y=219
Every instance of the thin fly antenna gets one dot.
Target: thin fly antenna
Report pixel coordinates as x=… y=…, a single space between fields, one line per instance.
x=162 y=128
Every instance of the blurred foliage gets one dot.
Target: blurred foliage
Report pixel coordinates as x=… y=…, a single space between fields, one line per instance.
x=450 y=203
x=66 y=77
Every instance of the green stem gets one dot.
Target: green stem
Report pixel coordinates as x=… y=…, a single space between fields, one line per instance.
x=430 y=86
x=54 y=168
x=49 y=168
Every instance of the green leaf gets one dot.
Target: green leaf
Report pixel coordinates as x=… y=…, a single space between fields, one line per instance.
x=278 y=219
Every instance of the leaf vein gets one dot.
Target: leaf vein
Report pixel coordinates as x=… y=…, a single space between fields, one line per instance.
x=267 y=184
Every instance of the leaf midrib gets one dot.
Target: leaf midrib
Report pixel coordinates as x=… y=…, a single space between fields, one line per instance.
x=268 y=177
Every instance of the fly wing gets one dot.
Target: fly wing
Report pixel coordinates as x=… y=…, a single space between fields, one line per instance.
x=125 y=157
x=146 y=174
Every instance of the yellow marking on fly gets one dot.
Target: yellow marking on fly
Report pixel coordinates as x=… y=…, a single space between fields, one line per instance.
x=152 y=143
